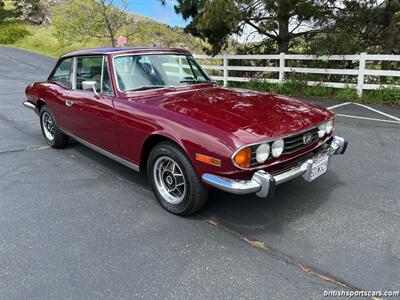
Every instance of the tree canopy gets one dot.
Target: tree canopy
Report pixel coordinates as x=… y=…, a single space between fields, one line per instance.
x=80 y=19
x=279 y=21
x=318 y=25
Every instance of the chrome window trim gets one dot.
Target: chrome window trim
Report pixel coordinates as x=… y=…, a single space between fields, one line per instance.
x=110 y=155
x=279 y=138
x=152 y=53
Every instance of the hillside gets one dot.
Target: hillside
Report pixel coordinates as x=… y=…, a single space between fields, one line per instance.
x=147 y=32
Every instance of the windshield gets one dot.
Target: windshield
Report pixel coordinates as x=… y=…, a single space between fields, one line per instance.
x=143 y=72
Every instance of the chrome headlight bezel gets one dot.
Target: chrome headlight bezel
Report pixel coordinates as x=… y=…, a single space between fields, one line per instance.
x=262 y=152
x=330 y=126
x=322 y=130
x=277 y=148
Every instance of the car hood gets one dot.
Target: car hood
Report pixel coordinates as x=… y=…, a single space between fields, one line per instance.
x=247 y=114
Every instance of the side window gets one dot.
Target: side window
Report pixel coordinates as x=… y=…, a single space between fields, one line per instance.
x=93 y=68
x=63 y=72
x=88 y=69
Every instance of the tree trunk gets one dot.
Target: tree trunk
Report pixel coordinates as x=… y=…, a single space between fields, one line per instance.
x=390 y=33
x=283 y=38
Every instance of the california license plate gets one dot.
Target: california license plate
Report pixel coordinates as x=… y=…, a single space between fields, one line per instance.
x=319 y=167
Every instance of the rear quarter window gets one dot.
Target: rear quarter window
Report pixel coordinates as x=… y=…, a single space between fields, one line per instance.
x=62 y=72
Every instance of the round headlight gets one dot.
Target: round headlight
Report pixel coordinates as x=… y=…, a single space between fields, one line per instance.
x=322 y=130
x=277 y=148
x=329 y=126
x=262 y=153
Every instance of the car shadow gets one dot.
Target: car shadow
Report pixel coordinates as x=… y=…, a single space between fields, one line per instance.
x=114 y=168
x=254 y=216
x=247 y=214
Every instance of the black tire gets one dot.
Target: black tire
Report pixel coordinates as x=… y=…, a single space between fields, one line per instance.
x=196 y=193
x=60 y=140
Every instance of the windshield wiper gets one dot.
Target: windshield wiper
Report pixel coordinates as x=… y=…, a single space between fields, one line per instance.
x=146 y=87
x=197 y=81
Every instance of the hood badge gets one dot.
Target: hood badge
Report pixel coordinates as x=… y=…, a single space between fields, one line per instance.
x=307 y=138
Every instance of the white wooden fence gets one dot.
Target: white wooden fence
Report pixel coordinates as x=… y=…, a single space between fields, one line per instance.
x=361 y=72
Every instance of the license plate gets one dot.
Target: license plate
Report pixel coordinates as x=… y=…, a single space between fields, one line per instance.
x=319 y=167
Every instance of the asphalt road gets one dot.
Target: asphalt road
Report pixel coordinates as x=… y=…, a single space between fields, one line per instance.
x=76 y=225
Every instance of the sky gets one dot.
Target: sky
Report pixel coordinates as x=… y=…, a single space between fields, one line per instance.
x=153 y=9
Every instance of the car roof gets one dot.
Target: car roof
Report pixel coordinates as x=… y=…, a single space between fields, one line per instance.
x=127 y=50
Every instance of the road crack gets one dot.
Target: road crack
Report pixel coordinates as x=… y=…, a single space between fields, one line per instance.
x=324 y=276
x=30 y=148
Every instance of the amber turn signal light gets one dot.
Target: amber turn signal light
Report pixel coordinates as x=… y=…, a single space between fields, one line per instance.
x=243 y=157
x=208 y=160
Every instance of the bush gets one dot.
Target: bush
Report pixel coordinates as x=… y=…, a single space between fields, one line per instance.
x=387 y=95
x=263 y=86
x=10 y=35
x=294 y=85
x=319 y=91
x=297 y=87
x=347 y=94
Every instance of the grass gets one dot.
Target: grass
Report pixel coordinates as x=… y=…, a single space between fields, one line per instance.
x=37 y=39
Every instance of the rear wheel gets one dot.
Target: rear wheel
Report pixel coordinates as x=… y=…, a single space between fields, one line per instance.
x=174 y=181
x=51 y=133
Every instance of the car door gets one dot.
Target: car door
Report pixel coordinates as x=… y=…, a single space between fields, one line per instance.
x=60 y=85
x=89 y=107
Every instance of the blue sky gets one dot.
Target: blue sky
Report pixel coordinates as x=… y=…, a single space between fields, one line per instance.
x=153 y=9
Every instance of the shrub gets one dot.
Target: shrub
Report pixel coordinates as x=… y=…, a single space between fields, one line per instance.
x=385 y=95
x=10 y=35
x=263 y=86
x=347 y=94
x=319 y=91
x=292 y=86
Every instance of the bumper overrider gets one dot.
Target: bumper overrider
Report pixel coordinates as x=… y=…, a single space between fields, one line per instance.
x=263 y=183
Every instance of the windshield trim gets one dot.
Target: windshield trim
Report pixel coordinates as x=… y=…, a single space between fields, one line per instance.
x=158 y=53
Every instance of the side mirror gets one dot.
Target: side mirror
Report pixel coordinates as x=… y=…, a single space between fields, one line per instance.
x=90 y=85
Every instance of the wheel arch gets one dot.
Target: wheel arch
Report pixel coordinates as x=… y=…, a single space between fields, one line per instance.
x=39 y=104
x=151 y=142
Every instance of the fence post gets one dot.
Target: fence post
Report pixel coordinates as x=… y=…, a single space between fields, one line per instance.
x=282 y=64
x=225 y=62
x=361 y=74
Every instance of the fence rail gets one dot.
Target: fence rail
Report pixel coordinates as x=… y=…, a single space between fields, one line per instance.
x=282 y=69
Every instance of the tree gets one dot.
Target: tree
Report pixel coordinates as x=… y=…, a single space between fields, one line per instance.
x=81 y=19
x=278 y=21
x=366 y=25
x=35 y=11
x=2 y=16
x=390 y=19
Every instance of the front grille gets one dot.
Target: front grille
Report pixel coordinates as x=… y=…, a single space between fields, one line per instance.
x=295 y=143
x=292 y=144
x=253 y=156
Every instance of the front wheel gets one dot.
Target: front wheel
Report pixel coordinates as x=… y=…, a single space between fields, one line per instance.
x=51 y=133
x=174 y=181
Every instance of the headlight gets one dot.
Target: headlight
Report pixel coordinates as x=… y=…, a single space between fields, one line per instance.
x=277 y=148
x=329 y=126
x=262 y=153
x=322 y=130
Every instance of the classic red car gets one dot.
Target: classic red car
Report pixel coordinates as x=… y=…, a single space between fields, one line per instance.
x=156 y=110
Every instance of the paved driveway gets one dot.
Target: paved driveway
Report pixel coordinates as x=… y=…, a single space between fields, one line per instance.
x=74 y=224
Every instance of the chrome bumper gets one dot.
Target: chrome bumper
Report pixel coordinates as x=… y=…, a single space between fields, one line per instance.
x=262 y=183
x=29 y=105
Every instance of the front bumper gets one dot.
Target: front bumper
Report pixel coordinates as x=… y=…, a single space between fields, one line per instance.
x=263 y=183
x=31 y=106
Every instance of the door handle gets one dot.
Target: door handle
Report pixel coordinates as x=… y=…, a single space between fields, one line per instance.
x=69 y=103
